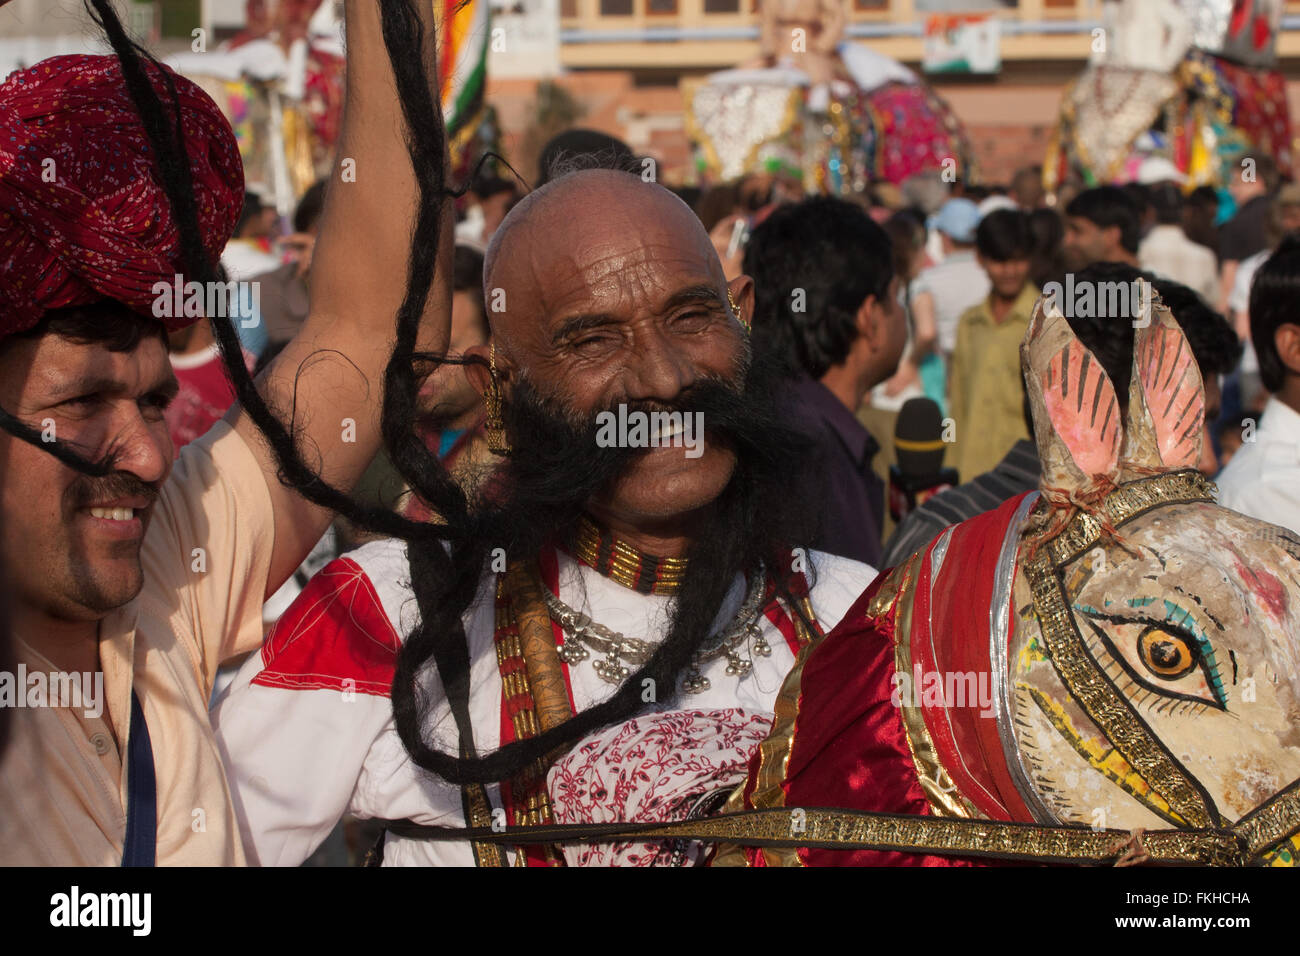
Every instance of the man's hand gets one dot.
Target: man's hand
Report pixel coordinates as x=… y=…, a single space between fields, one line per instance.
x=731 y=251
x=925 y=326
x=328 y=381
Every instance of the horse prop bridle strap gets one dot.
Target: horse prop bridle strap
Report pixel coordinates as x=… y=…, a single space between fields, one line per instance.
x=1241 y=844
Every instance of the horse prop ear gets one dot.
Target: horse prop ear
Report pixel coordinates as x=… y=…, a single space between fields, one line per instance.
x=1077 y=421
x=1166 y=405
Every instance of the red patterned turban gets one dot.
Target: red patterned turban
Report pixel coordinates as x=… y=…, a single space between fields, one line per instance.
x=83 y=215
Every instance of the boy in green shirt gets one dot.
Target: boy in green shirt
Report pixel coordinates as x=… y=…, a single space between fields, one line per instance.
x=984 y=390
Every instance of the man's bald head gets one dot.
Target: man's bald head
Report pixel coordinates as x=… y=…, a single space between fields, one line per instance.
x=584 y=216
x=604 y=290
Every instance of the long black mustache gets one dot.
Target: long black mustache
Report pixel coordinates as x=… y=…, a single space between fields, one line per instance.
x=555 y=468
x=436 y=578
x=757 y=516
x=559 y=464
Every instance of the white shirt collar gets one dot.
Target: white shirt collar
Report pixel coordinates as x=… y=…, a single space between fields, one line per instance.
x=1280 y=422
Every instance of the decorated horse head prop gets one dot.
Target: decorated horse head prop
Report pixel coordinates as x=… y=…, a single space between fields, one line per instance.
x=1105 y=670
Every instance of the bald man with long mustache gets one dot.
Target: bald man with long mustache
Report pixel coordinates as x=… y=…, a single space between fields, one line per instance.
x=635 y=608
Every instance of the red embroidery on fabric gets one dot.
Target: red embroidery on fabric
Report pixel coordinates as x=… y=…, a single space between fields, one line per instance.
x=651 y=768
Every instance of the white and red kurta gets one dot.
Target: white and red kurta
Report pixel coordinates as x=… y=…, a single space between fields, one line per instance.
x=307 y=731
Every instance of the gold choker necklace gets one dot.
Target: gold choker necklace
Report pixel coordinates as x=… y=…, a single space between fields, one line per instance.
x=624 y=564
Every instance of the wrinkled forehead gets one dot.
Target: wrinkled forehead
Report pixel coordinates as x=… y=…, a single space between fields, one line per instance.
x=618 y=251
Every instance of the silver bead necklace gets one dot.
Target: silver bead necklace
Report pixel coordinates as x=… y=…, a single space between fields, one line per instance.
x=620 y=652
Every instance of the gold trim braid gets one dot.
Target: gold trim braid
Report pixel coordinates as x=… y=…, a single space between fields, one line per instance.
x=1098 y=697
x=941 y=793
x=1246 y=842
x=1127 y=502
x=817 y=828
x=478 y=811
x=1272 y=822
x=774 y=751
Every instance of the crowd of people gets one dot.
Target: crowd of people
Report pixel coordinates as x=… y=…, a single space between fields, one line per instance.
x=371 y=520
x=970 y=262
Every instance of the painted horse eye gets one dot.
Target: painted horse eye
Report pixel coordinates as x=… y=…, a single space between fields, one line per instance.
x=1167 y=656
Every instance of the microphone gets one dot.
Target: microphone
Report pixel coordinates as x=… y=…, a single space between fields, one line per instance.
x=919 y=446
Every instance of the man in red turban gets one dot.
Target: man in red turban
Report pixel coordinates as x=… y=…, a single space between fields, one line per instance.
x=130 y=579
x=83 y=216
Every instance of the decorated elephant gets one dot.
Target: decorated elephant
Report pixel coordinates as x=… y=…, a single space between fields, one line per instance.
x=1104 y=670
x=832 y=114
x=1192 y=82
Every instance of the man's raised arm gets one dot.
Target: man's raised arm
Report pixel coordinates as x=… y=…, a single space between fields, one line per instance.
x=330 y=377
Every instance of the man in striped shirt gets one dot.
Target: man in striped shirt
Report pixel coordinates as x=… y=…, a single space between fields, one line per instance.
x=1016 y=473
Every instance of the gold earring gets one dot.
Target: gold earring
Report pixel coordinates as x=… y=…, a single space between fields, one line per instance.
x=736 y=309
x=494 y=427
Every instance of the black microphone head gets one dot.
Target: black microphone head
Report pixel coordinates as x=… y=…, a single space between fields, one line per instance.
x=918 y=437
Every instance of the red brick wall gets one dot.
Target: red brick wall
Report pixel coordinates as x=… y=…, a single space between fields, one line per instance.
x=1002 y=149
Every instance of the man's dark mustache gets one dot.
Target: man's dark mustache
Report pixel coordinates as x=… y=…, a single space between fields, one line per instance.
x=120 y=484
x=556 y=467
x=724 y=405
x=557 y=462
